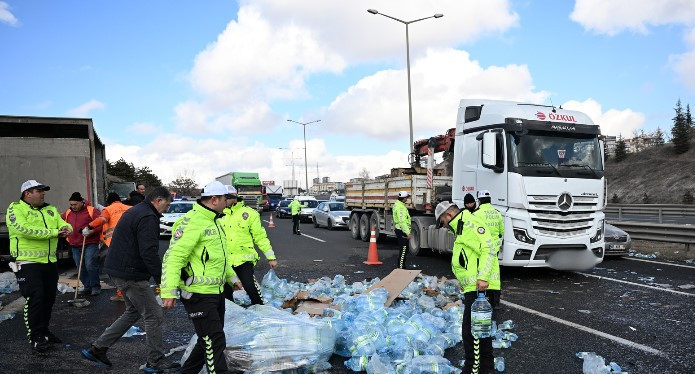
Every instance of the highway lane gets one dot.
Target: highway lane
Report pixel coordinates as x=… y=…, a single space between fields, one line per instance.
x=616 y=320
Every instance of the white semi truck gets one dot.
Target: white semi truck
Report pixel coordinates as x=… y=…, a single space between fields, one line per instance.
x=543 y=166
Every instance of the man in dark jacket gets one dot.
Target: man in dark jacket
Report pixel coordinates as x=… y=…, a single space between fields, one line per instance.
x=133 y=258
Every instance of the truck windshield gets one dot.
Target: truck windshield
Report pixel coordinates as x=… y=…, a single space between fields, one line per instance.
x=244 y=189
x=558 y=154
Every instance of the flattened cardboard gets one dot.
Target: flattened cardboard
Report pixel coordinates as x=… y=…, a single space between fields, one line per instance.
x=314 y=308
x=395 y=283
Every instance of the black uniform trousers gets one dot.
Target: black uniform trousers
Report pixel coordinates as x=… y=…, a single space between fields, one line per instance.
x=38 y=284
x=245 y=274
x=207 y=314
x=486 y=359
x=403 y=244
x=295 y=224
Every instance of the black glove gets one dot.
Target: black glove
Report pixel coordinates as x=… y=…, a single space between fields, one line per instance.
x=228 y=292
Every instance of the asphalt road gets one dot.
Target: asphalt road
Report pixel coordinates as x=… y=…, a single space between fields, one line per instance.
x=643 y=325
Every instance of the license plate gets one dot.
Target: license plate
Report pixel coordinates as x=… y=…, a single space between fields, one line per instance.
x=617 y=246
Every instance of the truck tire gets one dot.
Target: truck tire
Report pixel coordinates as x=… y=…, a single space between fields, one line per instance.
x=355 y=226
x=414 y=245
x=374 y=222
x=365 y=230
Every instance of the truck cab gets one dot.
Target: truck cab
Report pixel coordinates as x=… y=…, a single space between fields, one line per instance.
x=544 y=169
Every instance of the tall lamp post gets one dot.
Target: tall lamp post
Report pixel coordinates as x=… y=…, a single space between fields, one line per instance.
x=407 y=55
x=306 y=168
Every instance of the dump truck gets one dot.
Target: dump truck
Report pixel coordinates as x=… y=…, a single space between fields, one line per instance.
x=248 y=186
x=63 y=153
x=543 y=166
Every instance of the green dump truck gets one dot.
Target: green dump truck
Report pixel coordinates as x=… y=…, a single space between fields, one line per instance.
x=248 y=185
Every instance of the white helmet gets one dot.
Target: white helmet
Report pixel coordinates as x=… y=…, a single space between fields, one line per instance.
x=441 y=208
x=483 y=193
x=403 y=194
x=230 y=189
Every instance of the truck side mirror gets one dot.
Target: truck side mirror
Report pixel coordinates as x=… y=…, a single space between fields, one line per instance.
x=489 y=150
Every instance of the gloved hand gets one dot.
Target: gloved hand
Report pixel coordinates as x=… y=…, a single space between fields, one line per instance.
x=228 y=292
x=87 y=232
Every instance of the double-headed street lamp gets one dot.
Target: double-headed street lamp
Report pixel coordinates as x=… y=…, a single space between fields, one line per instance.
x=306 y=168
x=407 y=54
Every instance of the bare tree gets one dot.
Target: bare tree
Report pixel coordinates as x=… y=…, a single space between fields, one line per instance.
x=185 y=184
x=364 y=174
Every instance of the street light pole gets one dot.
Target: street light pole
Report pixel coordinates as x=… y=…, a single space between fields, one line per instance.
x=306 y=168
x=407 y=57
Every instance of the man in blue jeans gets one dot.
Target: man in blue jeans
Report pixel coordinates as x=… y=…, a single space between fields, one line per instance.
x=79 y=216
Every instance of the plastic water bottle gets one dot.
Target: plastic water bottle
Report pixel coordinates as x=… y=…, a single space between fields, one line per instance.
x=357 y=363
x=481 y=317
x=499 y=363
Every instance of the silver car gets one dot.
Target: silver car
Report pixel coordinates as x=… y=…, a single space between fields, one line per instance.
x=618 y=242
x=176 y=210
x=331 y=214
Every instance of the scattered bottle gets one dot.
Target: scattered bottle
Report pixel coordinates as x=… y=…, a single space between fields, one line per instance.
x=499 y=364
x=357 y=363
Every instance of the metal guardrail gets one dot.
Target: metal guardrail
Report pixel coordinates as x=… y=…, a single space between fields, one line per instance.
x=659 y=232
x=661 y=210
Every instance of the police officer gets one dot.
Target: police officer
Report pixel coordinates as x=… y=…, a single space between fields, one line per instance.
x=490 y=216
x=401 y=224
x=198 y=264
x=244 y=231
x=474 y=263
x=34 y=228
x=295 y=207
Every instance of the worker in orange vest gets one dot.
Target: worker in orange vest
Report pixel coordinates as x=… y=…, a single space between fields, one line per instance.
x=107 y=221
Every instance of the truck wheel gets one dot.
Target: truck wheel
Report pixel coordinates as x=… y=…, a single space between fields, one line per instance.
x=365 y=230
x=355 y=226
x=374 y=222
x=414 y=245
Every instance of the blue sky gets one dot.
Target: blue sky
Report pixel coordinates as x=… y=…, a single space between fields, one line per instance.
x=206 y=87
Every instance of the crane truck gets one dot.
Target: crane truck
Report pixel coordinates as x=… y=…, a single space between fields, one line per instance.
x=543 y=166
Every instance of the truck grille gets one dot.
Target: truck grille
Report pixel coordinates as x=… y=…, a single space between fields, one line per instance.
x=549 y=219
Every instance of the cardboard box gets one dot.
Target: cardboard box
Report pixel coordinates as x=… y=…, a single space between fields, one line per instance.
x=395 y=283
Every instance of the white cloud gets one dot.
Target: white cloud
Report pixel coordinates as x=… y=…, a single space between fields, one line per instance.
x=345 y=26
x=6 y=16
x=378 y=104
x=612 y=17
x=84 y=110
x=684 y=64
x=612 y=121
x=273 y=47
x=169 y=156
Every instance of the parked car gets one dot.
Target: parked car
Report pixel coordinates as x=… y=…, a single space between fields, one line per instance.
x=331 y=214
x=305 y=215
x=618 y=242
x=176 y=210
x=283 y=210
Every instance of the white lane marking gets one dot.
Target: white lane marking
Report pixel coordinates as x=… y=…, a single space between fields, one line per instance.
x=637 y=284
x=586 y=329
x=317 y=239
x=659 y=262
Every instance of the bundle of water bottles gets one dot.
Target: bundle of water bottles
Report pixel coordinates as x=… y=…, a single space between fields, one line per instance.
x=410 y=336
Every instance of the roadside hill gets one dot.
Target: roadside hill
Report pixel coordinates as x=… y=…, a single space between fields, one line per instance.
x=657 y=171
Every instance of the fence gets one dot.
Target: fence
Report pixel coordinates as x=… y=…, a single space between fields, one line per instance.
x=681 y=234
x=659 y=210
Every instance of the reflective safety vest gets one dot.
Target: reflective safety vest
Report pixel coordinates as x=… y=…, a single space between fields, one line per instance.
x=475 y=254
x=296 y=207
x=34 y=231
x=244 y=232
x=109 y=219
x=401 y=217
x=197 y=260
x=493 y=221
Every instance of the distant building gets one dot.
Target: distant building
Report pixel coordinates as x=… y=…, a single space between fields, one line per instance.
x=610 y=144
x=328 y=187
x=316 y=181
x=640 y=143
x=325 y=179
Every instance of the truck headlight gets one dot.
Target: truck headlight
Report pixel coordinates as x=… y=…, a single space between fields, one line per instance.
x=522 y=236
x=599 y=233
